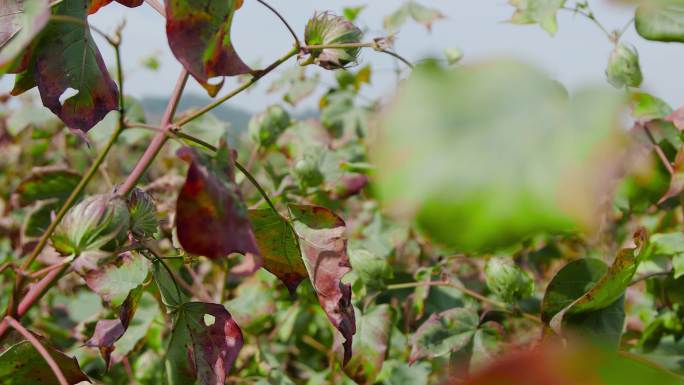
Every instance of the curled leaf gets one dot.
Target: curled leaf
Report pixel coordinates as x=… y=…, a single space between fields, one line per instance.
x=323 y=244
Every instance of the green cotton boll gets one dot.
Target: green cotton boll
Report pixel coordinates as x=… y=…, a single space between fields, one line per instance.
x=98 y=221
x=507 y=281
x=623 y=67
x=326 y=29
x=307 y=171
x=265 y=128
x=143 y=214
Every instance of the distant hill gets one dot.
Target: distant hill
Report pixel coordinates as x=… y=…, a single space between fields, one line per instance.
x=237 y=117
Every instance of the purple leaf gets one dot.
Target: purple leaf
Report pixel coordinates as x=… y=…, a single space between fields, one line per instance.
x=211 y=217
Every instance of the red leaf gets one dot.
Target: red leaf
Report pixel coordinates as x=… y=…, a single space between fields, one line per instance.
x=211 y=217
x=66 y=58
x=95 y=5
x=204 y=345
x=199 y=37
x=324 y=246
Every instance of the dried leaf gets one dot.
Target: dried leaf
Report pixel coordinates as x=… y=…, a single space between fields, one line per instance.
x=95 y=5
x=323 y=244
x=211 y=217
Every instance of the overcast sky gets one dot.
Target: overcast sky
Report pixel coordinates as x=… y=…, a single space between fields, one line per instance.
x=576 y=55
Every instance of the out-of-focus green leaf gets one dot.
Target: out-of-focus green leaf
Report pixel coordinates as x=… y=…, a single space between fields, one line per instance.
x=371 y=268
x=443 y=333
x=32 y=116
x=39 y=218
x=485 y=174
x=416 y=11
x=395 y=372
x=453 y=55
x=542 y=12
x=352 y=13
x=660 y=20
x=647 y=107
x=47 y=183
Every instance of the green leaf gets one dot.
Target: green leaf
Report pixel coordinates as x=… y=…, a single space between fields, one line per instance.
x=341 y=115
x=32 y=116
x=266 y=127
x=20 y=22
x=352 y=13
x=542 y=12
x=204 y=345
x=21 y=364
x=47 y=183
x=661 y=20
x=609 y=288
x=143 y=211
x=39 y=217
x=278 y=245
x=623 y=67
x=507 y=281
x=443 y=333
x=483 y=174
x=372 y=269
x=487 y=344
x=66 y=58
x=114 y=281
x=370 y=344
x=647 y=107
x=171 y=293
x=138 y=327
x=395 y=372
x=199 y=34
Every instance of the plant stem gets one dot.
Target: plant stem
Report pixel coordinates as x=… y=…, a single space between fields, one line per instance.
x=464 y=290
x=258 y=75
x=658 y=150
x=40 y=348
x=159 y=140
x=590 y=16
x=287 y=25
x=157 y=7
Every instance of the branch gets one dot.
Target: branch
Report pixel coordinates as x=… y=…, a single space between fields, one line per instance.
x=287 y=25
x=658 y=150
x=464 y=290
x=40 y=348
x=159 y=140
x=157 y=7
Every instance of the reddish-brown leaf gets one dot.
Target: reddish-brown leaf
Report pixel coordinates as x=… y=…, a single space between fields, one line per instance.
x=199 y=37
x=67 y=59
x=211 y=217
x=204 y=345
x=108 y=331
x=324 y=246
x=95 y=5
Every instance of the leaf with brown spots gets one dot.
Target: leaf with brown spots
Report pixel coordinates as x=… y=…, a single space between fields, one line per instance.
x=323 y=244
x=21 y=364
x=199 y=36
x=279 y=247
x=64 y=61
x=204 y=345
x=211 y=217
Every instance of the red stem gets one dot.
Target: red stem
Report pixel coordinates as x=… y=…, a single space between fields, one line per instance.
x=158 y=141
x=40 y=348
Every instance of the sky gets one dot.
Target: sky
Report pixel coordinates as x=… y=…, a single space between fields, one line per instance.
x=576 y=56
